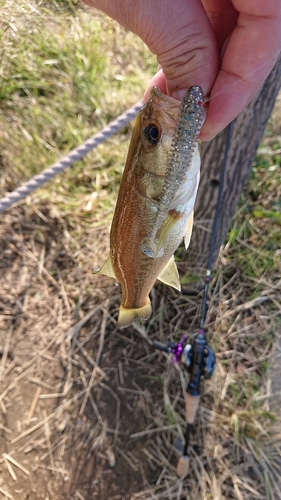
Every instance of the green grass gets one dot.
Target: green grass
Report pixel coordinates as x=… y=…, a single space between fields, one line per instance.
x=65 y=72
x=255 y=237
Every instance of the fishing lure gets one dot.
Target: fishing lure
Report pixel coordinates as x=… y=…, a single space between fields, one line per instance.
x=192 y=116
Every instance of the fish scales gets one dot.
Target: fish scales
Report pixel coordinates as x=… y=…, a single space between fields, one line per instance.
x=192 y=116
x=159 y=144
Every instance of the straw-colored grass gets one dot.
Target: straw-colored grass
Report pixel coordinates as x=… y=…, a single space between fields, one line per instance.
x=89 y=411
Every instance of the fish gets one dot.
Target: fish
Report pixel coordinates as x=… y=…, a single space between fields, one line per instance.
x=154 y=209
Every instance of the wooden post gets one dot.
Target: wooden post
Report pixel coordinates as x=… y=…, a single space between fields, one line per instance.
x=247 y=133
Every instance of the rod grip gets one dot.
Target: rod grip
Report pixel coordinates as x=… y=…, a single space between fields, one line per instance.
x=191 y=407
x=183 y=466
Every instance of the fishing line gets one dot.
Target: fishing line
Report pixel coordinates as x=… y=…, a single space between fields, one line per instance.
x=204 y=309
x=244 y=79
x=197 y=357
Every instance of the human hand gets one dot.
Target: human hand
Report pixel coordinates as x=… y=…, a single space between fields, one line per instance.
x=228 y=47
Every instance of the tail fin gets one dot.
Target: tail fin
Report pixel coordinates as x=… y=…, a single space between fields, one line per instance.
x=127 y=316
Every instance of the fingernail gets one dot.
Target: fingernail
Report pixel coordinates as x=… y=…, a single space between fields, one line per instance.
x=206 y=136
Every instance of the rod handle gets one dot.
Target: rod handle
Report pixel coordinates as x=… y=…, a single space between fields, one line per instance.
x=183 y=466
x=191 y=407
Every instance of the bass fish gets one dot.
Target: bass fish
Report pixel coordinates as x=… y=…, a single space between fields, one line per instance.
x=154 y=209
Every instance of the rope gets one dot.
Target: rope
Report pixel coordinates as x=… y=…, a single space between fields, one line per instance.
x=67 y=161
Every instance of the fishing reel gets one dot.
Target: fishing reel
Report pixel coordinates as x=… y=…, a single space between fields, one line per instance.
x=198 y=358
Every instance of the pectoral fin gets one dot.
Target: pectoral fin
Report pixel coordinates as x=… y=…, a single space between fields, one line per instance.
x=188 y=230
x=170 y=275
x=107 y=269
x=165 y=231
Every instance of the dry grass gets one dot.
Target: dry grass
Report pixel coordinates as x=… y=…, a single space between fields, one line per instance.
x=92 y=412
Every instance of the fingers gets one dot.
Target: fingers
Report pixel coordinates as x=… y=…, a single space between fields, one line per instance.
x=223 y=18
x=157 y=80
x=188 y=36
x=250 y=54
x=178 y=32
x=186 y=47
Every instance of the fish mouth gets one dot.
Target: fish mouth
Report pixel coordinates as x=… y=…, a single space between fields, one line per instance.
x=163 y=101
x=161 y=111
x=155 y=93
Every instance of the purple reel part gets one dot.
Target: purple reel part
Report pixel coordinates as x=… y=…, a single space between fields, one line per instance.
x=177 y=350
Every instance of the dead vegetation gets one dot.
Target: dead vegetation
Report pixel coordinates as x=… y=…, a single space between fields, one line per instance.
x=89 y=411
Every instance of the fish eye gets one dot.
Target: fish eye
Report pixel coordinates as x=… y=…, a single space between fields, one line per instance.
x=152 y=133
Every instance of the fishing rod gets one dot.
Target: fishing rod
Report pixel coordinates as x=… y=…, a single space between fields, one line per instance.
x=197 y=357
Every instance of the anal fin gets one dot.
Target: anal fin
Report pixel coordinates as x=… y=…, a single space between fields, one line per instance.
x=188 y=230
x=170 y=275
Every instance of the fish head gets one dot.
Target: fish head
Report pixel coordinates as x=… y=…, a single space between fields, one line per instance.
x=156 y=127
x=151 y=142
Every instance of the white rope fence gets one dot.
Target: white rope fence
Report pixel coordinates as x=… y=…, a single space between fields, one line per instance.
x=76 y=154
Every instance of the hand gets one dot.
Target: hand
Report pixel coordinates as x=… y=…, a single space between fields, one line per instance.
x=228 y=47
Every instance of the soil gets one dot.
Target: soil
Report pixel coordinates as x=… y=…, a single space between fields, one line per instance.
x=71 y=396
x=89 y=411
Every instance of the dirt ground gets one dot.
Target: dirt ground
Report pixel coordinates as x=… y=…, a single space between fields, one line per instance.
x=92 y=412
x=72 y=396
x=89 y=411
